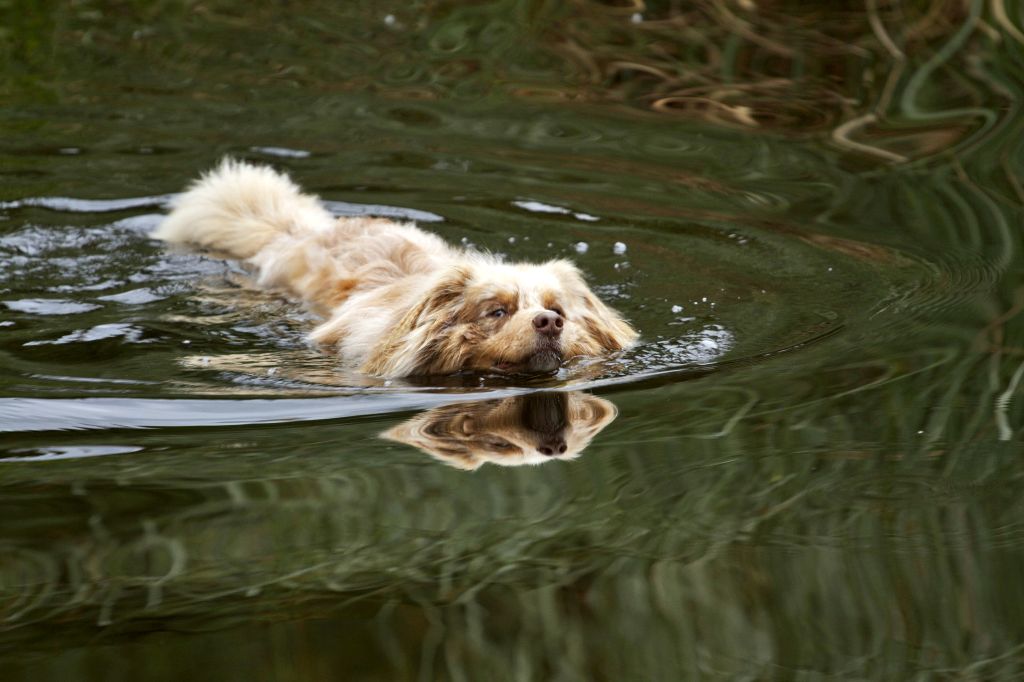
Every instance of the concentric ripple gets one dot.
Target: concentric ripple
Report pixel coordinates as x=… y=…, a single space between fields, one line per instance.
x=96 y=310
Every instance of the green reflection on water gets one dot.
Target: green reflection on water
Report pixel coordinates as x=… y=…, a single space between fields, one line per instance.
x=846 y=508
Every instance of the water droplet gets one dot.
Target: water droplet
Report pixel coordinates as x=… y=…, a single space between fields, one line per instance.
x=619 y=248
x=581 y=247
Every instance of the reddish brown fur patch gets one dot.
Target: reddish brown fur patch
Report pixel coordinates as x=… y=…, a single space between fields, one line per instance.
x=551 y=301
x=477 y=306
x=435 y=311
x=339 y=290
x=604 y=337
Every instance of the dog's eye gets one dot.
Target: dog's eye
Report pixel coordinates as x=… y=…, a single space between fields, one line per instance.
x=498 y=312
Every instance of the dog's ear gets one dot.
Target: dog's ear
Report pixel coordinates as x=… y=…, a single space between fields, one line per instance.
x=407 y=348
x=425 y=433
x=605 y=325
x=590 y=413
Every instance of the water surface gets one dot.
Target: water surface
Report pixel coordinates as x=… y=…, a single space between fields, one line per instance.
x=808 y=468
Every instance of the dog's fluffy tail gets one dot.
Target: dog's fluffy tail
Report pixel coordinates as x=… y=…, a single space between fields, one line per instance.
x=237 y=209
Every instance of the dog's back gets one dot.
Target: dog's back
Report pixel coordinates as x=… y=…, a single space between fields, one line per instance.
x=259 y=216
x=237 y=209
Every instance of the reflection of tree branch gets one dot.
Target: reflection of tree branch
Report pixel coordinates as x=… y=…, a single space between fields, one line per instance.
x=841 y=137
x=1006 y=161
x=744 y=29
x=1002 y=405
x=739 y=113
x=895 y=52
x=582 y=57
x=786 y=66
x=999 y=14
x=935 y=23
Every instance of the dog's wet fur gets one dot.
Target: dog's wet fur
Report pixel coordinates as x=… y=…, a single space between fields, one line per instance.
x=396 y=301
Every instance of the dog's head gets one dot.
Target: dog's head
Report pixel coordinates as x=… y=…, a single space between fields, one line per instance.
x=495 y=317
x=530 y=429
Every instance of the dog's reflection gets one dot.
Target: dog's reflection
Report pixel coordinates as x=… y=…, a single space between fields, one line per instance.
x=530 y=429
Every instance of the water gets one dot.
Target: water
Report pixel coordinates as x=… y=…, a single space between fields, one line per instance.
x=807 y=469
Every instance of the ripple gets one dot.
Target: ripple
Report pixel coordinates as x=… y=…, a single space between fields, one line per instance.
x=699 y=292
x=134 y=297
x=540 y=207
x=344 y=208
x=50 y=306
x=56 y=452
x=945 y=281
x=283 y=152
x=19 y=415
x=98 y=333
x=72 y=205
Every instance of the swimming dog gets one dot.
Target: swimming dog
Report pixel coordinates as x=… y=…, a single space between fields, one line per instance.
x=396 y=300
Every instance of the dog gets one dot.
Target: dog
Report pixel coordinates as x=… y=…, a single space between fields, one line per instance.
x=396 y=301
x=521 y=430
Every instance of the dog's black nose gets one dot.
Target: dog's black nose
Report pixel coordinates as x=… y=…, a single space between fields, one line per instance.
x=548 y=322
x=552 y=447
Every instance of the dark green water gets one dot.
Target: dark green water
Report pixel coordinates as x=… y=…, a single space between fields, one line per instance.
x=816 y=468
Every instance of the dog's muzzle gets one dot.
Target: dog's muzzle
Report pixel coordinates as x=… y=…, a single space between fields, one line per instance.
x=546 y=415
x=544 y=361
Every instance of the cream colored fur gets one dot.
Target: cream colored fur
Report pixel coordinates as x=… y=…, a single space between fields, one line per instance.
x=398 y=300
x=238 y=209
x=516 y=431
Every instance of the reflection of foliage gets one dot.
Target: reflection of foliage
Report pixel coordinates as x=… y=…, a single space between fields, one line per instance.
x=888 y=80
x=744 y=518
x=789 y=66
x=866 y=75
